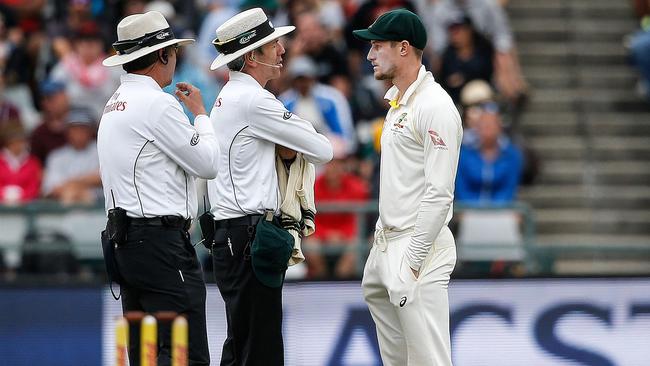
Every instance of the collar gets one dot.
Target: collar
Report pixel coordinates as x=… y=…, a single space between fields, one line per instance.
x=141 y=79
x=393 y=92
x=14 y=161
x=244 y=78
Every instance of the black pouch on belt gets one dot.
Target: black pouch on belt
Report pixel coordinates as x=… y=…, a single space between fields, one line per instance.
x=206 y=221
x=117 y=226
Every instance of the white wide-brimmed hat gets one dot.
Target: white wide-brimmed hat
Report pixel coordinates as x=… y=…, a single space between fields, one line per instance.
x=142 y=34
x=243 y=33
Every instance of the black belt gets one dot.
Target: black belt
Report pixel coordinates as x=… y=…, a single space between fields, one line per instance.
x=171 y=221
x=248 y=220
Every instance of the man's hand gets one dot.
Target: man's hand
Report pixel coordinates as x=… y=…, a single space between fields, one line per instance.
x=190 y=95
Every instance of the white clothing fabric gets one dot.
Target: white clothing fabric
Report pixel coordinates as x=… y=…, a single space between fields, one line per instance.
x=66 y=163
x=297 y=197
x=150 y=154
x=411 y=315
x=420 y=145
x=251 y=121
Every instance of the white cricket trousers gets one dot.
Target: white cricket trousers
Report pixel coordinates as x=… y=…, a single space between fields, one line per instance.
x=411 y=315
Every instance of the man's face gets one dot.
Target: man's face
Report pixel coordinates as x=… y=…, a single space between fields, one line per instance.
x=79 y=136
x=489 y=128
x=270 y=53
x=311 y=30
x=56 y=105
x=89 y=49
x=383 y=56
x=171 y=64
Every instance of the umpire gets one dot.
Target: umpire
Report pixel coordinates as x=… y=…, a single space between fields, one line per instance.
x=149 y=155
x=252 y=124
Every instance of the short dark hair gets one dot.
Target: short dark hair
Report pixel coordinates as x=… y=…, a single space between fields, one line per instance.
x=144 y=61
x=237 y=64
x=418 y=52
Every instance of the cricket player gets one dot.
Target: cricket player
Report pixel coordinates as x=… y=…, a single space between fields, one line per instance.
x=407 y=273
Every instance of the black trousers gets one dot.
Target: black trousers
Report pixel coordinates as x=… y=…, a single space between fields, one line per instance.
x=253 y=310
x=162 y=273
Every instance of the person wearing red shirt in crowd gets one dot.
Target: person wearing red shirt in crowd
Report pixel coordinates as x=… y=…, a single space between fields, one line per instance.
x=335 y=185
x=20 y=172
x=50 y=134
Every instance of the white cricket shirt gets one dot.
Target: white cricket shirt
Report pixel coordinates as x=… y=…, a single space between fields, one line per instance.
x=150 y=154
x=251 y=121
x=420 y=144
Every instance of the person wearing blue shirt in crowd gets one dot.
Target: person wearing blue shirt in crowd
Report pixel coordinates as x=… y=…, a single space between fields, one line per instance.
x=490 y=166
x=324 y=106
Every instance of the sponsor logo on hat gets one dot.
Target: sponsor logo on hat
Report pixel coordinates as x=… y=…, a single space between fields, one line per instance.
x=246 y=37
x=162 y=35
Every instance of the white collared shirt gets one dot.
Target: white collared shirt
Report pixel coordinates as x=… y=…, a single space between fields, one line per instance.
x=150 y=154
x=251 y=121
x=420 y=145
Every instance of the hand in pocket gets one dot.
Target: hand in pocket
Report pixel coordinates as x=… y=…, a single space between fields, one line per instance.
x=402 y=291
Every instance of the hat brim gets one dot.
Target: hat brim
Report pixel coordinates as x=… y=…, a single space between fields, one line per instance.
x=223 y=59
x=367 y=35
x=117 y=60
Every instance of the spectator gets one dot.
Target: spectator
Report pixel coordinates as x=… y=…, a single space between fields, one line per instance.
x=87 y=82
x=473 y=96
x=324 y=106
x=218 y=11
x=639 y=48
x=313 y=40
x=16 y=68
x=72 y=171
x=467 y=57
x=489 y=170
x=366 y=14
x=50 y=134
x=489 y=19
x=9 y=113
x=20 y=172
x=335 y=185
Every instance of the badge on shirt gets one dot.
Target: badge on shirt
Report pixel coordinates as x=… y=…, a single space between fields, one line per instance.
x=438 y=142
x=398 y=127
x=287 y=115
x=195 y=139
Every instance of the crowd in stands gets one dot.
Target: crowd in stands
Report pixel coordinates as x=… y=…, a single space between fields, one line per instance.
x=638 y=45
x=53 y=90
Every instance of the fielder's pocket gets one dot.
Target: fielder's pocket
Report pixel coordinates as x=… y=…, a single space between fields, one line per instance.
x=402 y=290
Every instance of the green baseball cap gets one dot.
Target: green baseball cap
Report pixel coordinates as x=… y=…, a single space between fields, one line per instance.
x=396 y=25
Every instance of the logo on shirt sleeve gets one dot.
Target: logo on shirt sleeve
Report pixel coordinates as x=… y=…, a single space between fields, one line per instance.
x=287 y=115
x=195 y=139
x=437 y=140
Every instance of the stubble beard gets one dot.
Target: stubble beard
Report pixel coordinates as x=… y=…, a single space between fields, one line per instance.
x=388 y=75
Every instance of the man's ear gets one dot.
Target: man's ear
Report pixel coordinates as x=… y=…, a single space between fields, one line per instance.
x=403 y=48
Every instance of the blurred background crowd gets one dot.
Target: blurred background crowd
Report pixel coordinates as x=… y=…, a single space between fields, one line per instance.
x=53 y=90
